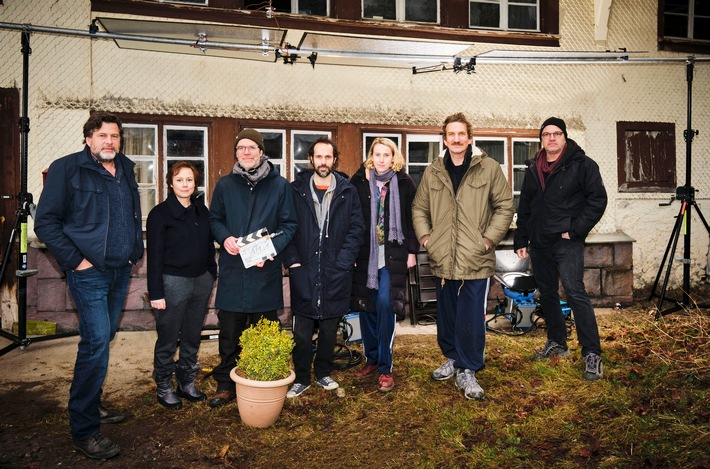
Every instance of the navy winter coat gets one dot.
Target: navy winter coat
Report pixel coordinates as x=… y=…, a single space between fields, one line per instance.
x=320 y=287
x=395 y=254
x=238 y=208
x=573 y=201
x=72 y=214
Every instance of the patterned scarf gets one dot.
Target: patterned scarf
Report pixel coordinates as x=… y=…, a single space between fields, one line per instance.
x=253 y=175
x=395 y=234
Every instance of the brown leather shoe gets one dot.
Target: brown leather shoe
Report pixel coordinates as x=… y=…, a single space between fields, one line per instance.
x=221 y=398
x=366 y=370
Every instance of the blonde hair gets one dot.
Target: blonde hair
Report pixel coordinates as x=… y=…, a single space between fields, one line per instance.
x=397 y=160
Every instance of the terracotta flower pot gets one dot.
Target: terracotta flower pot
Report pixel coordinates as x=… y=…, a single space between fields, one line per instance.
x=260 y=402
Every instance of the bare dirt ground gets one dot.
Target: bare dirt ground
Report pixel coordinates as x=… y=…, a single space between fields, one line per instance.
x=651 y=410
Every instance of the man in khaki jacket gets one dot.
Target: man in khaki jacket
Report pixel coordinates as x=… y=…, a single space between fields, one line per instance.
x=462 y=210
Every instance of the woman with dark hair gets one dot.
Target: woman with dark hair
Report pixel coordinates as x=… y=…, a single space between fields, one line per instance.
x=181 y=272
x=386 y=193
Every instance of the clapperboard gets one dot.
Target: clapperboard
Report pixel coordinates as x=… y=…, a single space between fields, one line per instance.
x=256 y=247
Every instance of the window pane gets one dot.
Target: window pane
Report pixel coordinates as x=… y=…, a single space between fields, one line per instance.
x=199 y=164
x=301 y=167
x=283 y=6
x=702 y=8
x=273 y=144
x=701 y=28
x=139 y=141
x=144 y=171
x=485 y=15
x=675 y=26
x=494 y=149
x=301 y=144
x=313 y=7
x=182 y=143
x=524 y=151
x=420 y=10
x=386 y=9
x=422 y=152
x=678 y=6
x=520 y=17
x=416 y=173
x=148 y=198
x=518 y=175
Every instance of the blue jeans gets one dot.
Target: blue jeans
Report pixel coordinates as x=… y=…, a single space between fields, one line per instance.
x=565 y=260
x=99 y=298
x=377 y=327
x=461 y=321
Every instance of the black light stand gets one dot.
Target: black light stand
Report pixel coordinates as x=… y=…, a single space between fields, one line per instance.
x=24 y=202
x=686 y=195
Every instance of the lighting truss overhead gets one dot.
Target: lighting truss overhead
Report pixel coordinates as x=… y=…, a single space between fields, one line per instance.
x=239 y=42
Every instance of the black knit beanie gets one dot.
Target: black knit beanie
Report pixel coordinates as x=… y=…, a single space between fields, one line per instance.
x=556 y=121
x=252 y=135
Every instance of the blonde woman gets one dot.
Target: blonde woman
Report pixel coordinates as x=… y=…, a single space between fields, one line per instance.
x=386 y=193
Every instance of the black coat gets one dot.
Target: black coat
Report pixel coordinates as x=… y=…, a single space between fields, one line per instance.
x=238 y=208
x=320 y=287
x=573 y=201
x=395 y=254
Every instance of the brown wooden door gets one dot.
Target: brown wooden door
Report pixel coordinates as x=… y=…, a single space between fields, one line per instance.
x=9 y=175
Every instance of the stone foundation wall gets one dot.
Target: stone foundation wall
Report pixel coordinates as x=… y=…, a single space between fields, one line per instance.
x=608 y=270
x=608 y=278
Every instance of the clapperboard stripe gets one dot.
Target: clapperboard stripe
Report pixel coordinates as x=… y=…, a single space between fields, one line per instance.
x=251 y=237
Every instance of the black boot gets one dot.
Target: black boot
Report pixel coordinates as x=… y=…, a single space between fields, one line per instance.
x=166 y=393
x=186 y=384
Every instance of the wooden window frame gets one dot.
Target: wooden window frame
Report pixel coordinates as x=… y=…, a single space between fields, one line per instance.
x=693 y=46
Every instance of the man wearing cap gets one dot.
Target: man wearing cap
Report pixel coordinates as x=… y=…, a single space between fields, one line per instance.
x=561 y=200
x=252 y=197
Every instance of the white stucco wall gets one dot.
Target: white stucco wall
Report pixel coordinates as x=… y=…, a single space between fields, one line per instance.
x=71 y=75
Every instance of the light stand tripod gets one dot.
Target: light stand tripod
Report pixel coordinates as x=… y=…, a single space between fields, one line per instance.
x=24 y=202
x=686 y=194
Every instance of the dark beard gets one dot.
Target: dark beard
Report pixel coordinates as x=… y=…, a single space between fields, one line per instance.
x=327 y=170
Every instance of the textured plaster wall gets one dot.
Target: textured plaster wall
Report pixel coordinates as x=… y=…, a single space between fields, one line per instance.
x=71 y=75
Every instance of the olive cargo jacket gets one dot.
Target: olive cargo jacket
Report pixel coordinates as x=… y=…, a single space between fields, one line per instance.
x=455 y=224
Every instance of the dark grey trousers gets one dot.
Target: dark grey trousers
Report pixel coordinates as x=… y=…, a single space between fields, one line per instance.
x=186 y=306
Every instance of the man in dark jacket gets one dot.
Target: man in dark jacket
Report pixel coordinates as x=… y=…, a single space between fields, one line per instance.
x=320 y=260
x=561 y=200
x=252 y=197
x=89 y=217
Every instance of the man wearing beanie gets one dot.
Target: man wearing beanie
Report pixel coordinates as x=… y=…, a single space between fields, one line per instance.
x=252 y=197
x=561 y=200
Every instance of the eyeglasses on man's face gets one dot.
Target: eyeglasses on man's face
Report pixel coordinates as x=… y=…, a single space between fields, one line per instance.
x=242 y=149
x=550 y=134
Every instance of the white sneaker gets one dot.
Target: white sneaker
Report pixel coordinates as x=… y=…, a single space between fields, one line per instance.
x=467 y=381
x=445 y=371
x=327 y=383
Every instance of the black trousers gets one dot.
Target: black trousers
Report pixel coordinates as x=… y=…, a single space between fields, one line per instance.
x=231 y=326
x=303 y=351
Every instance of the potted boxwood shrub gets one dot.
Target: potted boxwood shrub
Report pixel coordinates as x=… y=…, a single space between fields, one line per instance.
x=263 y=373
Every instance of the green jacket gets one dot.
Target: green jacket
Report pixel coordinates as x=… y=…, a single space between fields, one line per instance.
x=455 y=224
